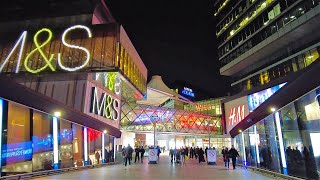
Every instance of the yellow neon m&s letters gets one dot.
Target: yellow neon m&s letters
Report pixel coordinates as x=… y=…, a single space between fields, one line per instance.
x=38 y=48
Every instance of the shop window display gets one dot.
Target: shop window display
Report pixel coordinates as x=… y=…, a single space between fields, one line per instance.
x=42 y=158
x=16 y=152
x=77 y=143
x=65 y=146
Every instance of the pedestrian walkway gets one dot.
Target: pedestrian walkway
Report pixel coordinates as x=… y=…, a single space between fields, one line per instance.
x=163 y=170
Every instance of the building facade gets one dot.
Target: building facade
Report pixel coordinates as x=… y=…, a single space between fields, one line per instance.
x=270 y=49
x=64 y=76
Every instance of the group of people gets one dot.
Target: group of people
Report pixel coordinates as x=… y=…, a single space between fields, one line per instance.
x=127 y=153
x=230 y=153
x=184 y=153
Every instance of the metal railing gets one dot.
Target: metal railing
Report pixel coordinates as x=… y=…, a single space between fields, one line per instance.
x=272 y=173
x=53 y=172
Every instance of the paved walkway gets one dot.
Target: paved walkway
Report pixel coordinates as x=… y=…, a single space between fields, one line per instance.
x=163 y=170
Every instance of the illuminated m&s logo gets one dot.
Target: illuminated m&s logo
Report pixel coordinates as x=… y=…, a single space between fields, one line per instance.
x=105 y=106
x=48 y=58
x=236 y=115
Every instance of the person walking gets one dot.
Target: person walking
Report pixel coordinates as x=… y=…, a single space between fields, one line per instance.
x=171 y=154
x=186 y=153
x=233 y=153
x=158 y=152
x=129 y=151
x=201 y=155
x=124 y=154
x=182 y=155
x=191 y=152
x=142 y=151
x=226 y=158
x=97 y=155
x=136 y=150
x=196 y=152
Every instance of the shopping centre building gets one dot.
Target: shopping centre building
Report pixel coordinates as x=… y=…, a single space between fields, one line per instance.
x=270 y=49
x=63 y=78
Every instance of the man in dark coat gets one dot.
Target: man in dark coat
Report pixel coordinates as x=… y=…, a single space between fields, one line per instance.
x=142 y=151
x=129 y=151
x=137 y=150
x=201 y=155
x=233 y=153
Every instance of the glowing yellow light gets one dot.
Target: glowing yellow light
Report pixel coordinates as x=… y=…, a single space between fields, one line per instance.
x=38 y=48
x=57 y=114
x=273 y=109
x=105 y=131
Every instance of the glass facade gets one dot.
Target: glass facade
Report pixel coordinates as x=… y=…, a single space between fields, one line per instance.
x=259 y=23
x=286 y=141
x=211 y=106
x=28 y=141
x=127 y=66
x=137 y=117
x=296 y=62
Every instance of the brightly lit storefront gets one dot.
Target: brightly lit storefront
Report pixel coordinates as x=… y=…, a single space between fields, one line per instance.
x=63 y=80
x=282 y=134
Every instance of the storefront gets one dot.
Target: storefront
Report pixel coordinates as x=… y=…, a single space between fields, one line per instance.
x=63 y=79
x=282 y=134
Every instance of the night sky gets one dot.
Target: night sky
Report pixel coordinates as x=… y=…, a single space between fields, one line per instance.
x=175 y=39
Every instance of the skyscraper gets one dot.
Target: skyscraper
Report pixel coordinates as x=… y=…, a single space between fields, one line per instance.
x=263 y=41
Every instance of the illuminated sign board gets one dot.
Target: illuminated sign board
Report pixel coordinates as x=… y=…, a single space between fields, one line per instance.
x=105 y=105
x=235 y=111
x=188 y=92
x=256 y=99
x=39 y=49
x=109 y=80
x=236 y=115
x=13 y=153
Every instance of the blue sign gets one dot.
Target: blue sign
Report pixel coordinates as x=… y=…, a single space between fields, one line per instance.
x=42 y=144
x=256 y=99
x=13 y=153
x=188 y=92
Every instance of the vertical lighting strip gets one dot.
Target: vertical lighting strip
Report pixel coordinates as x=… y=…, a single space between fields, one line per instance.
x=102 y=148
x=85 y=144
x=257 y=140
x=283 y=157
x=1 y=119
x=114 y=149
x=55 y=143
x=244 y=150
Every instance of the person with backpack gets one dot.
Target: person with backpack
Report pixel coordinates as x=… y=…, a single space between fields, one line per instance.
x=129 y=151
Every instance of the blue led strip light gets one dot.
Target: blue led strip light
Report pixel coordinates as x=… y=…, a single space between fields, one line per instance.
x=1 y=119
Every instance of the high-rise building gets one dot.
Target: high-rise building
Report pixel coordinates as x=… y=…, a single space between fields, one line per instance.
x=260 y=41
x=270 y=49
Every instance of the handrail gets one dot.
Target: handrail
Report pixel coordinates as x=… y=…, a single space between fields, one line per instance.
x=275 y=174
x=53 y=172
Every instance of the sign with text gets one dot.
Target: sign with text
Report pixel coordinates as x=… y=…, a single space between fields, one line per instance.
x=188 y=92
x=13 y=153
x=235 y=111
x=256 y=99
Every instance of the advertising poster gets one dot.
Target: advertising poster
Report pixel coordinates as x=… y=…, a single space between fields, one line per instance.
x=13 y=153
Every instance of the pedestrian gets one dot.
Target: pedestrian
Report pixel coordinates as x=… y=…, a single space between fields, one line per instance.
x=124 y=154
x=129 y=151
x=171 y=154
x=201 y=155
x=97 y=155
x=136 y=150
x=186 y=153
x=196 y=152
x=226 y=158
x=158 y=152
x=182 y=155
x=191 y=153
x=142 y=151
x=233 y=153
